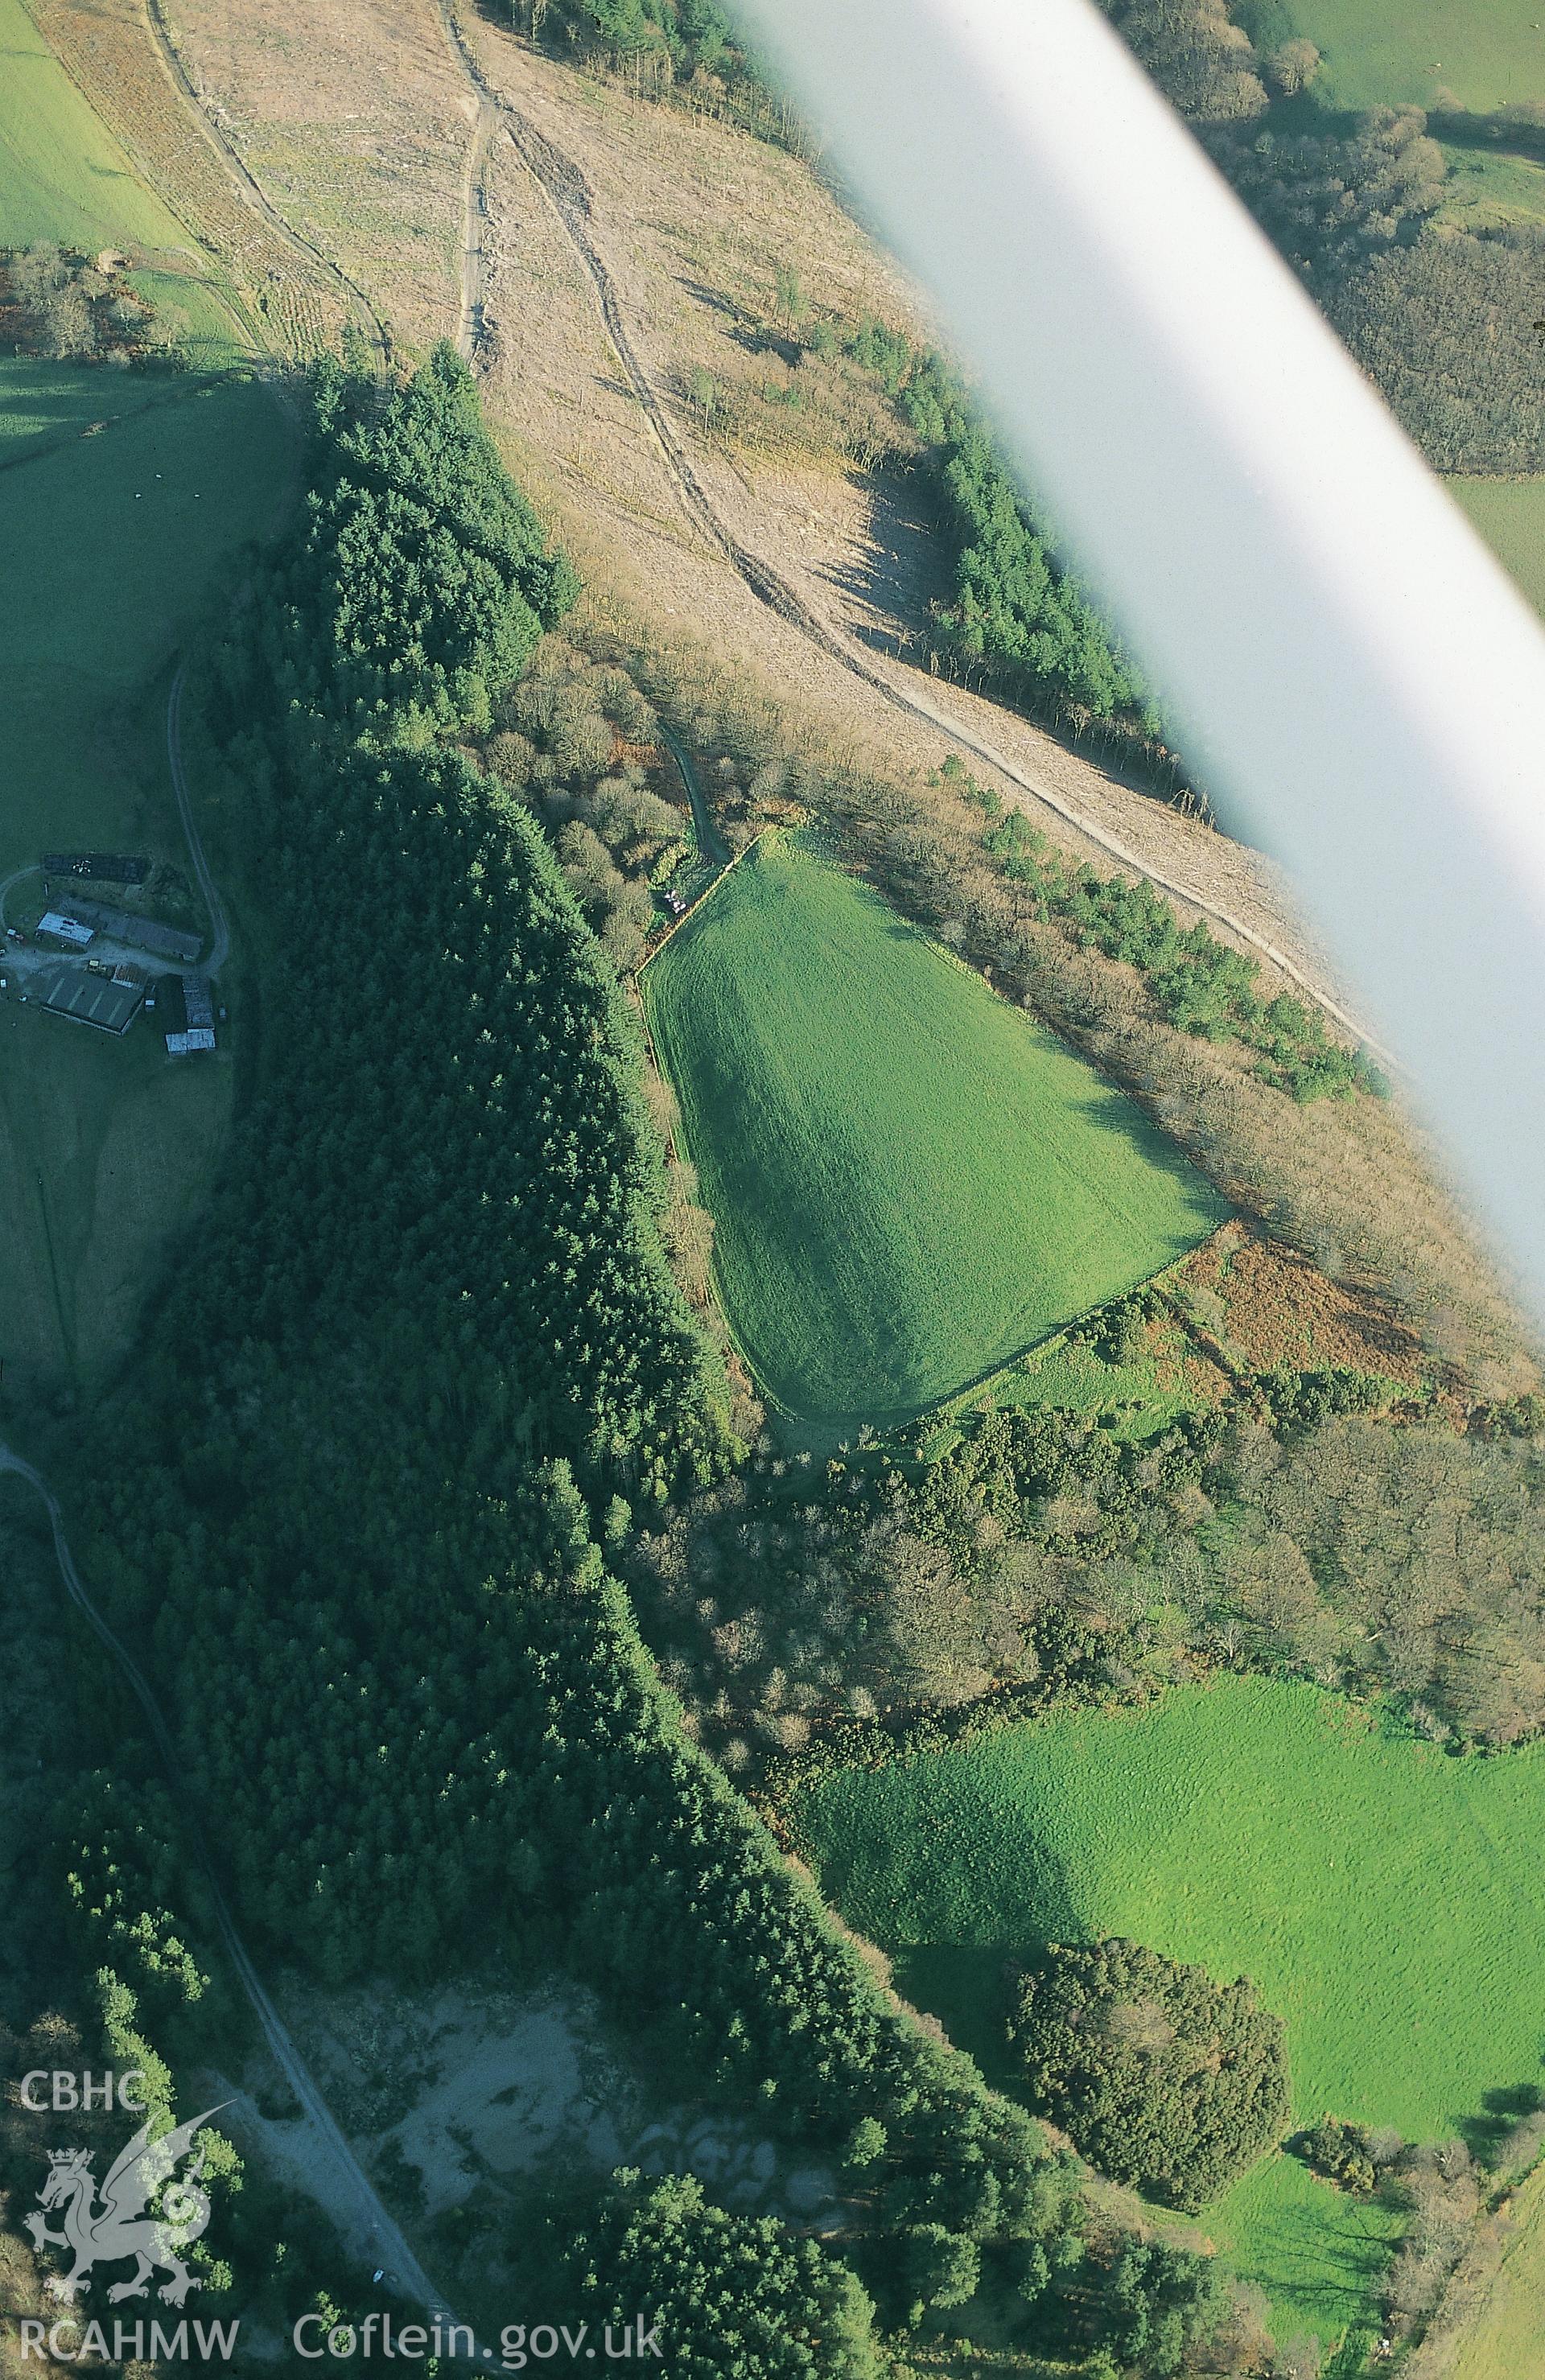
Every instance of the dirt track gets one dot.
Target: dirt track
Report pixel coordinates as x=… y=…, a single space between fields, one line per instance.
x=219 y=925
x=252 y=192
x=384 y=2240
x=567 y=192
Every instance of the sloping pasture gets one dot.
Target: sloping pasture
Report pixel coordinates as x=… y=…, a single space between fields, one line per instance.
x=911 y=1180
x=1387 y=1898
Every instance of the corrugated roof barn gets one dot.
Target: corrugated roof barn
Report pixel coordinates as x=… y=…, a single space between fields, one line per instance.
x=86 y=998
x=141 y=933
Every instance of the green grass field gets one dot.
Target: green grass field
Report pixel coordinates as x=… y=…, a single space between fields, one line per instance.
x=106 y=1150
x=126 y=500
x=63 y=176
x=1381 y=52
x=1485 y=192
x=1388 y=1900
x=1510 y=515
x=911 y=1180
x=110 y=547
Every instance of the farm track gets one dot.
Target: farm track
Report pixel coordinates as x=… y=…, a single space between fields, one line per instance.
x=220 y=930
x=387 y=2242
x=711 y=843
x=564 y=186
x=251 y=189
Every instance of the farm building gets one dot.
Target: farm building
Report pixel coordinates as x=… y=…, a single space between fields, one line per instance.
x=182 y=1045
x=66 y=929
x=112 y=866
x=141 y=934
x=110 y=1002
x=198 y=1001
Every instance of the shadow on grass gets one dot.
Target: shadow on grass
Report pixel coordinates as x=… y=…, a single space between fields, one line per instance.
x=969 y=1986
x=1486 y=2135
x=1321 y=2260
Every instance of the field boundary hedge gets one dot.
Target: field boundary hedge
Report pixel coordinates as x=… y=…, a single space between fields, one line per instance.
x=706 y=894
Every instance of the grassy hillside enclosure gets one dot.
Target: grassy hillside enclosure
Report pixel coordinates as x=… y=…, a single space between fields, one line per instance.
x=1510 y=515
x=63 y=176
x=112 y=545
x=910 y=1181
x=1386 y=51
x=1380 y=1895
x=1251 y=1826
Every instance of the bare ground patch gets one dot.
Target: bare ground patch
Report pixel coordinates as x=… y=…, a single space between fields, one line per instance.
x=355 y=124
x=464 y=2098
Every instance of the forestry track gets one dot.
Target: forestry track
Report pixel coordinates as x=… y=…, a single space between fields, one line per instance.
x=567 y=193
x=387 y=2242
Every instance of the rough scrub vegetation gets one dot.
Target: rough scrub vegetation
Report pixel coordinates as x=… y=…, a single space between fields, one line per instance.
x=55 y=302
x=1043 y=1557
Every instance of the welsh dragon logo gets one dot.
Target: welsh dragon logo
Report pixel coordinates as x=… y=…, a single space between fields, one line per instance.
x=103 y=2229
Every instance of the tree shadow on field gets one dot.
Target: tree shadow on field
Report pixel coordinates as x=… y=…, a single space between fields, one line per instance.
x=970 y=1986
x=957 y=1893
x=893 y=569
x=1486 y=2134
x=1106 y=1106
x=1319 y=2256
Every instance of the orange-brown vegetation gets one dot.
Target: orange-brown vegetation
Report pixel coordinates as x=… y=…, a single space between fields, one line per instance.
x=1279 y=1308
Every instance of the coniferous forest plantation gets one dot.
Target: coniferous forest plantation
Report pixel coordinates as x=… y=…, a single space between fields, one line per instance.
x=775 y=1564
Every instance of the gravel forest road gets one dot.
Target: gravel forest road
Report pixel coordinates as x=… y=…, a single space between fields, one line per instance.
x=354 y=2195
